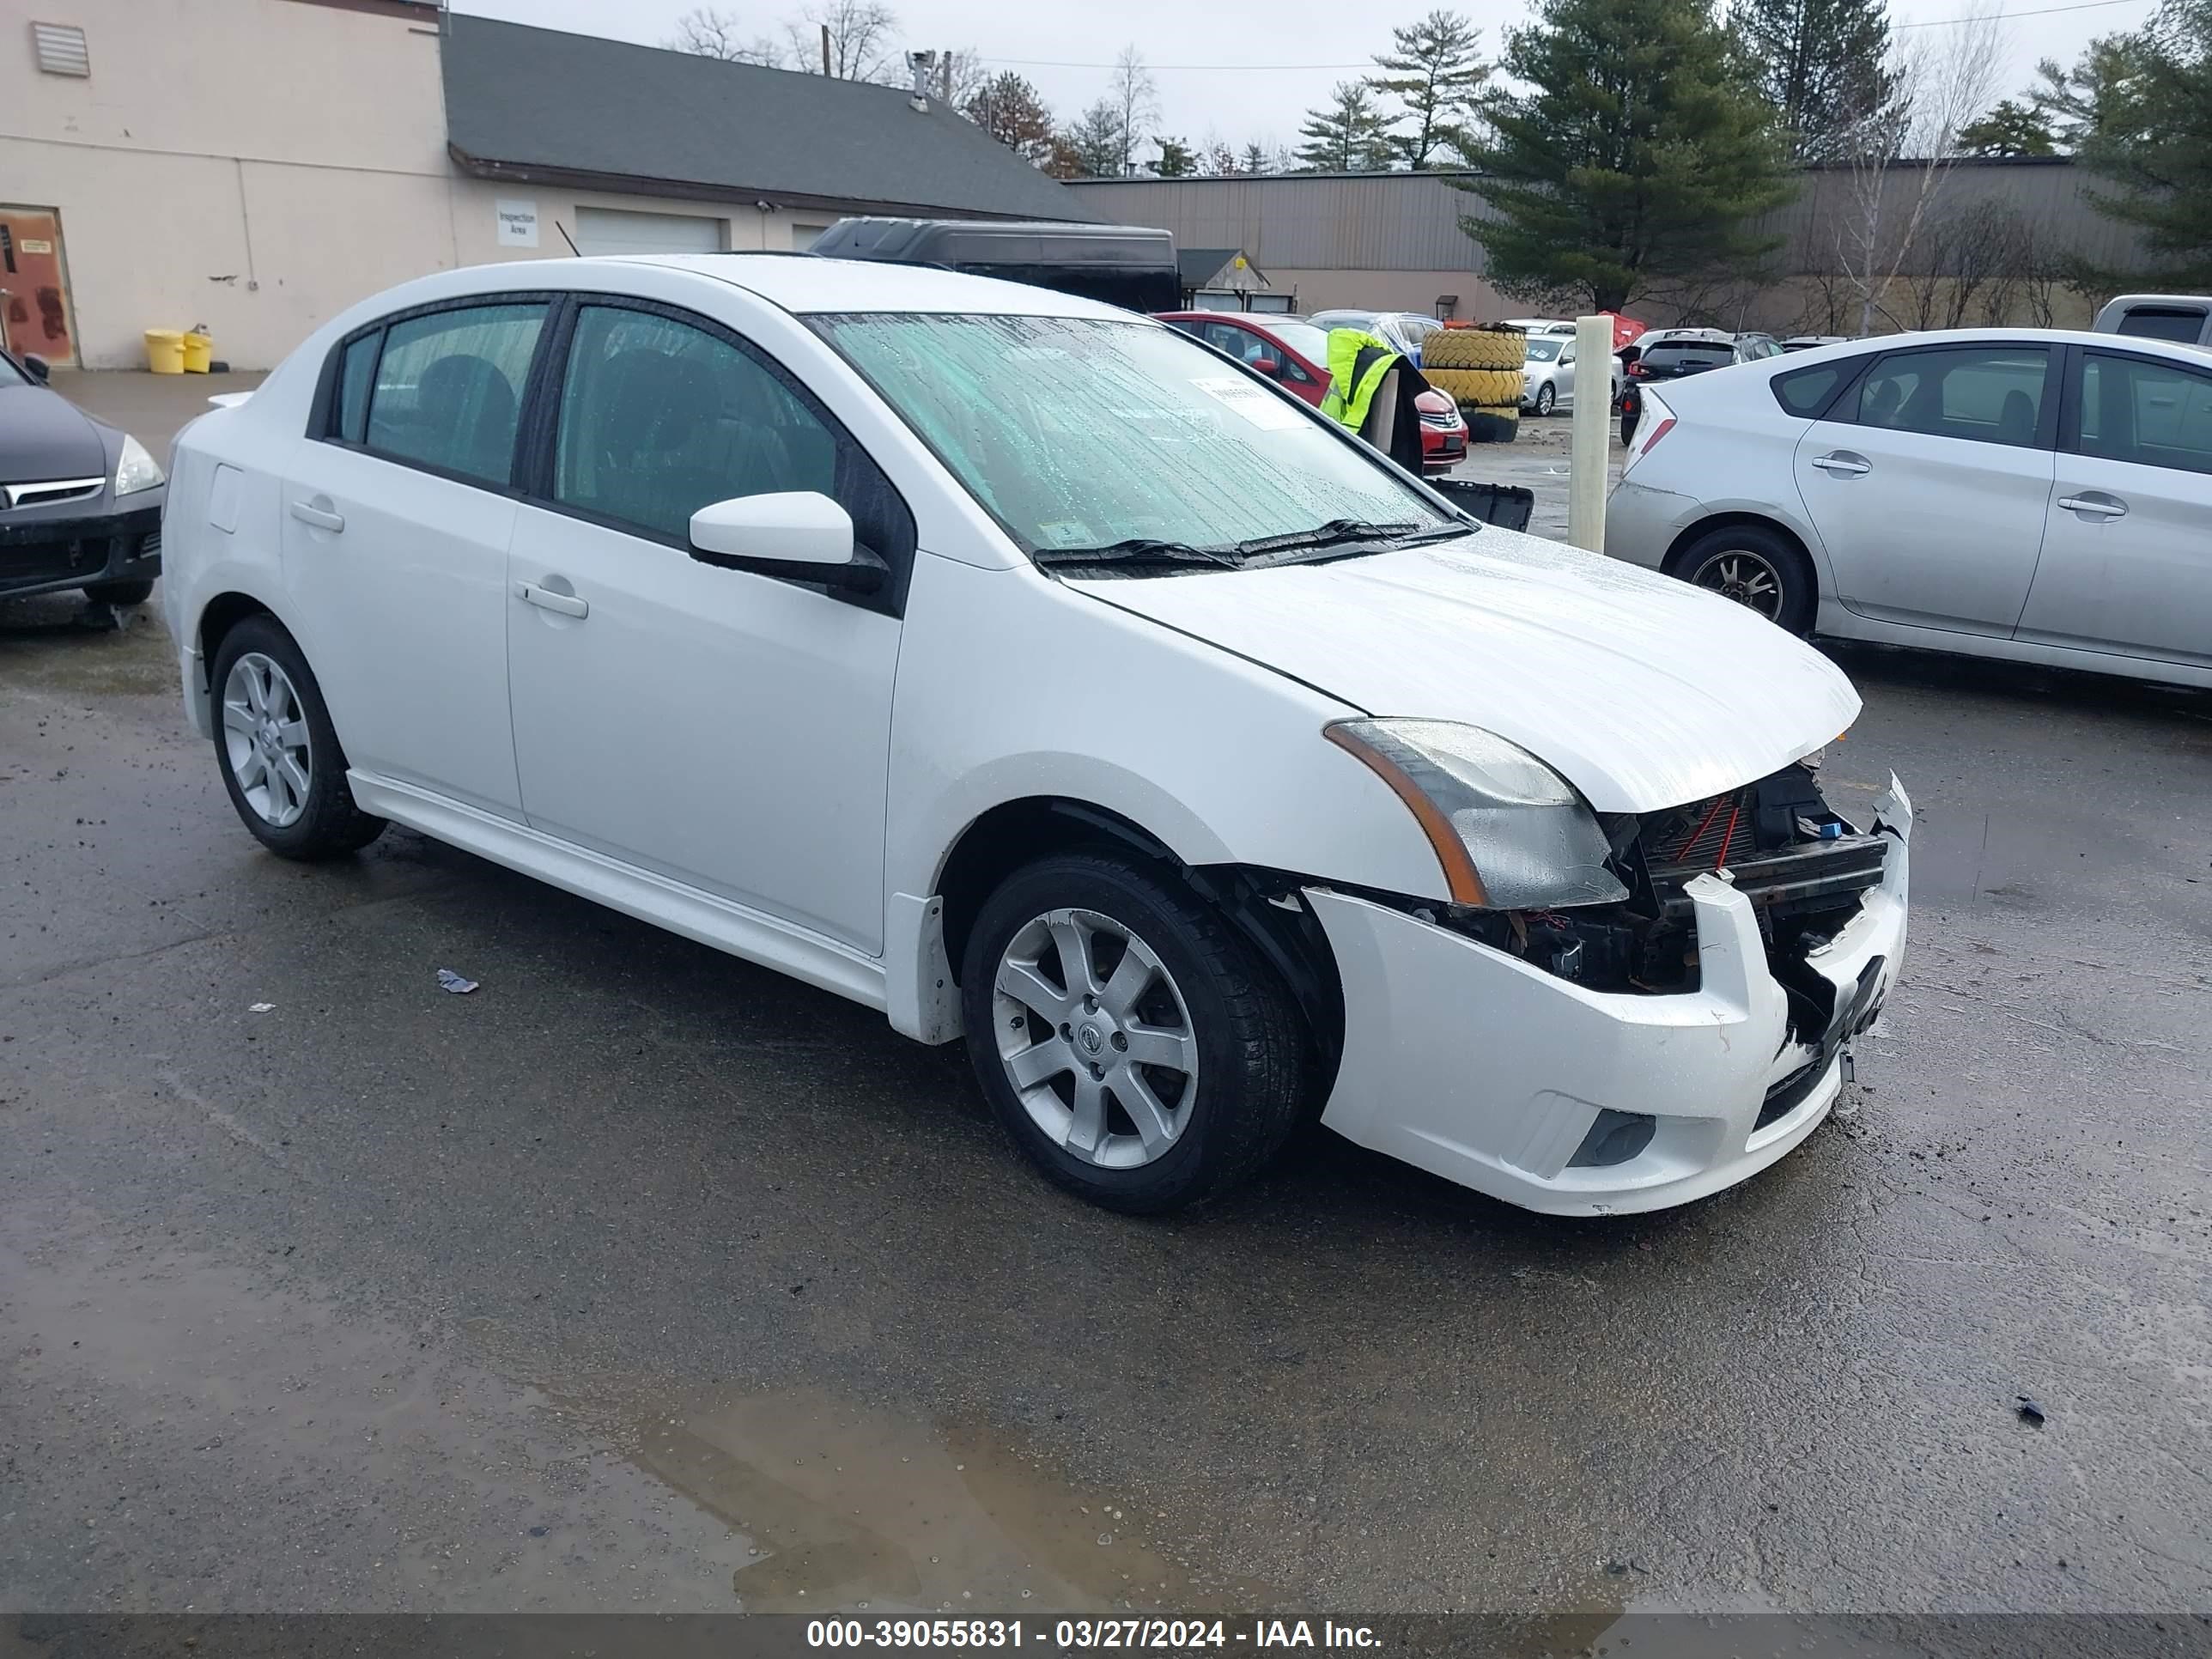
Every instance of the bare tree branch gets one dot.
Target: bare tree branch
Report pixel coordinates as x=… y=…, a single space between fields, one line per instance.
x=1900 y=157
x=711 y=32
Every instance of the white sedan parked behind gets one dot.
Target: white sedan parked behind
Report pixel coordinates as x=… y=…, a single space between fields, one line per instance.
x=2035 y=495
x=1016 y=667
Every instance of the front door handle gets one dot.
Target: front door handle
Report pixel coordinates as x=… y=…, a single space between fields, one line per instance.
x=321 y=517
x=1842 y=465
x=566 y=604
x=2094 y=503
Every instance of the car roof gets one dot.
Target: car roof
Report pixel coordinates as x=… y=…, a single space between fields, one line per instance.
x=2180 y=353
x=806 y=282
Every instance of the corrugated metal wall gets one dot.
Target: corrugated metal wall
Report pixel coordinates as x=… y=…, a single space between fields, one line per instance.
x=1410 y=221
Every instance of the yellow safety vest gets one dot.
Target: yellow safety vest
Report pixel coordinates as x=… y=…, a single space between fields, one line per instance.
x=1357 y=360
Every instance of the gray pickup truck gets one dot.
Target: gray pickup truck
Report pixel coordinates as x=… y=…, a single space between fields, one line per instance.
x=2185 y=318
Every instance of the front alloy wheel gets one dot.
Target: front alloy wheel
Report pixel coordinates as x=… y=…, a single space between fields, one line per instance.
x=1548 y=395
x=1096 y=1039
x=1129 y=1039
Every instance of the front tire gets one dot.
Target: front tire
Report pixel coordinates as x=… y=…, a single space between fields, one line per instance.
x=1757 y=567
x=276 y=749
x=1547 y=397
x=1126 y=1037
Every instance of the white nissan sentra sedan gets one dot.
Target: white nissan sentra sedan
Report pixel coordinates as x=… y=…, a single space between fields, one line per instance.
x=1017 y=667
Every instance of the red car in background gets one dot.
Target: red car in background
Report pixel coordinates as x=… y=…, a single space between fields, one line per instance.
x=1294 y=353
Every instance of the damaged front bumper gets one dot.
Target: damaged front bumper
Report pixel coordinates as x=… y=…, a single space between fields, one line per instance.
x=1482 y=1068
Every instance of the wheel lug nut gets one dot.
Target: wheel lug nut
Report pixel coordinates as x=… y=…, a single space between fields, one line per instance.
x=1066 y=1032
x=1090 y=1004
x=1097 y=1072
x=1120 y=1041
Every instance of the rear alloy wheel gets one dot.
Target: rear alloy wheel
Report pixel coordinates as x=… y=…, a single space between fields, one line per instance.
x=1546 y=396
x=1126 y=1036
x=277 y=750
x=1758 y=568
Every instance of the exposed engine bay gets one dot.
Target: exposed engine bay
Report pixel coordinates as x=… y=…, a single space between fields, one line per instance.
x=1804 y=867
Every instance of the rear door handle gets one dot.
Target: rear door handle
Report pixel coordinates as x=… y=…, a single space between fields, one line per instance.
x=566 y=604
x=1842 y=465
x=321 y=517
x=2096 y=503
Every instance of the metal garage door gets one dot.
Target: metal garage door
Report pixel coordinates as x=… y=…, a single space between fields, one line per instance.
x=614 y=230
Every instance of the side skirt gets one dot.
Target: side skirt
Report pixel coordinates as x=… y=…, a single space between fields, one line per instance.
x=805 y=956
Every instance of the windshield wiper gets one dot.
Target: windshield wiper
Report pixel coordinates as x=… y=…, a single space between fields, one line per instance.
x=1334 y=533
x=1136 y=549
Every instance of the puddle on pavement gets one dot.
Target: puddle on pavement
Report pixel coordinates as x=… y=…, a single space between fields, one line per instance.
x=850 y=1505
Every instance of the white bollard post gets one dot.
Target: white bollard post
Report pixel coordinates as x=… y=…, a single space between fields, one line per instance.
x=1591 y=456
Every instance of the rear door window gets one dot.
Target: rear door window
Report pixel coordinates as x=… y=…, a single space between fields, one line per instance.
x=1987 y=393
x=448 y=389
x=2151 y=414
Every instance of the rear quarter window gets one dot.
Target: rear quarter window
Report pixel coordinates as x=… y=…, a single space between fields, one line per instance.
x=1806 y=391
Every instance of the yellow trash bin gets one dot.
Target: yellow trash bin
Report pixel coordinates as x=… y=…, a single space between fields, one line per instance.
x=165 y=351
x=199 y=351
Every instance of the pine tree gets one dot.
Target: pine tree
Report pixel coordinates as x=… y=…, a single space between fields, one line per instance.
x=1437 y=78
x=1639 y=155
x=1822 y=64
x=1097 y=143
x=1178 y=159
x=2087 y=98
x=2153 y=146
x=2011 y=128
x=1346 y=134
x=1255 y=159
x=1010 y=109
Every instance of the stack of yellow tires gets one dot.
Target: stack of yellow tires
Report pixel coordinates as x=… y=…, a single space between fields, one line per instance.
x=1480 y=369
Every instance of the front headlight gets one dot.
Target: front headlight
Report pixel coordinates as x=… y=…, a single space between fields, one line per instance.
x=135 y=470
x=1510 y=833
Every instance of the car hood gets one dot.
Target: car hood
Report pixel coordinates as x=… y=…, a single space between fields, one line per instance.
x=44 y=435
x=1643 y=691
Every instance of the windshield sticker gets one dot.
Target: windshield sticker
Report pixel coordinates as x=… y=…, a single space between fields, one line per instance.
x=1066 y=532
x=1263 y=409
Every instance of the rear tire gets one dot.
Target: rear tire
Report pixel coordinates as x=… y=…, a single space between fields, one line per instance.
x=1162 y=974
x=276 y=749
x=135 y=592
x=1757 y=567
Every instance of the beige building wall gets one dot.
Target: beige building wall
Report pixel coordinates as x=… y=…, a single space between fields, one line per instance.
x=1395 y=290
x=257 y=165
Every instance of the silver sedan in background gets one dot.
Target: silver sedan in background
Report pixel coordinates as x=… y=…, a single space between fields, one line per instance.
x=2030 y=493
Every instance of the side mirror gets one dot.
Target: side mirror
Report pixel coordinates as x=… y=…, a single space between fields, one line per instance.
x=37 y=368
x=1567 y=358
x=800 y=534
x=1267 y=366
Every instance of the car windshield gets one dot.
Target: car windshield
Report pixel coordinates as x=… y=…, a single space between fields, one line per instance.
x=1544 y=351
x=1691 y=351
x=1097 y=441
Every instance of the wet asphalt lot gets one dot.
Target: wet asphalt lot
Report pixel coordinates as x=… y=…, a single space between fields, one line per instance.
x=643 y=1278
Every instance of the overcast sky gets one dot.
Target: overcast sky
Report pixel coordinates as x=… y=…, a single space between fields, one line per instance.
x=1242 y=69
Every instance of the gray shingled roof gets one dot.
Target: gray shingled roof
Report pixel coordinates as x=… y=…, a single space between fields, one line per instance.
x=522 y=102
